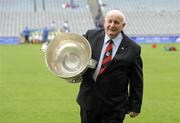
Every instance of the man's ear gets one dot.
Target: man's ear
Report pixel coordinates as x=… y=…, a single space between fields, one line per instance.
x=123 y=25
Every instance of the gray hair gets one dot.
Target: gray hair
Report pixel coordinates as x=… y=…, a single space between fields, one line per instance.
x=118 y=12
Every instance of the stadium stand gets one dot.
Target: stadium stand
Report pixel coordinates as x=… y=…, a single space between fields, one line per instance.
x=143 y=17
x=17 y=14
x=147 y=17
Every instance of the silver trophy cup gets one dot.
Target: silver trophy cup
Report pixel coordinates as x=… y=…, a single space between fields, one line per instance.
x=68 y=56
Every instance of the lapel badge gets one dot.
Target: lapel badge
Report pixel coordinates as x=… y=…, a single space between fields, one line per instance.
x=122 y=48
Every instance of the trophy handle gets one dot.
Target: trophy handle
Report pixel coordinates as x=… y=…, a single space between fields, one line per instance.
x=92 y=63
x=77 y=79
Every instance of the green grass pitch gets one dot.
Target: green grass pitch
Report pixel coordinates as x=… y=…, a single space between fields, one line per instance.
x=30 y=93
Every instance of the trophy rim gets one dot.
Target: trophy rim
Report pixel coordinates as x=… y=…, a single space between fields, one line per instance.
x=69 y=37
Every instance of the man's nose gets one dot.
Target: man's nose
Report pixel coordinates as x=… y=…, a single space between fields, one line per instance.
x=112 y=24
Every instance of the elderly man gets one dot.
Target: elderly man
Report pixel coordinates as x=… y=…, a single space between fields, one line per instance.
x=115 y=86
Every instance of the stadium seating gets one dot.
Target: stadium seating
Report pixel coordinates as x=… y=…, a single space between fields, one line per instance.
x=17 y=14
x=143 y=17
x=147 y=17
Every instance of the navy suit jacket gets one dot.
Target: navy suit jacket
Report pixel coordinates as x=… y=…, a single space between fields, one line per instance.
x=120 y=87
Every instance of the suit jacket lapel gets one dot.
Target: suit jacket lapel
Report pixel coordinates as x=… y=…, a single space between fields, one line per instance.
x=122 y=49
x=98 y=46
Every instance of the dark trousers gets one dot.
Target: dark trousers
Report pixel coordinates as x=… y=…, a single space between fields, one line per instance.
x=94 y=117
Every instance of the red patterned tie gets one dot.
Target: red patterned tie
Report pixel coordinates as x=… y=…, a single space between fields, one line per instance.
x=107 y=57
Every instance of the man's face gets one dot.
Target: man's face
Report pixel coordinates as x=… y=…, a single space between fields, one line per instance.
x=113 y=25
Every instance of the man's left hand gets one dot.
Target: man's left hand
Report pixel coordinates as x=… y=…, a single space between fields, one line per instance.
x=133 y=114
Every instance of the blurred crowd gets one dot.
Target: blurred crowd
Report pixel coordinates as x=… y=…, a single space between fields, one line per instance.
x=43 y=35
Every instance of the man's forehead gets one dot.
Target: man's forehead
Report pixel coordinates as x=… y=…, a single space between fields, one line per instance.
x=115 y=14
x=114 y=17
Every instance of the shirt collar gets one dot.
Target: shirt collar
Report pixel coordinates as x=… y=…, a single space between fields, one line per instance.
x=116 y=40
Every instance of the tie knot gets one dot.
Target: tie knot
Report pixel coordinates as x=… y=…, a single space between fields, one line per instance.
x=110 y=41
